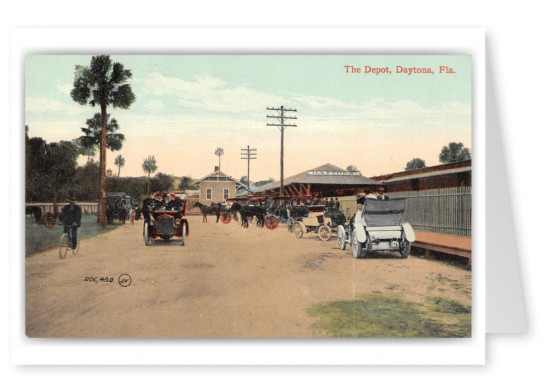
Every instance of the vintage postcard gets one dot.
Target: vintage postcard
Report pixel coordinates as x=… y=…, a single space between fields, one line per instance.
x=248 y=196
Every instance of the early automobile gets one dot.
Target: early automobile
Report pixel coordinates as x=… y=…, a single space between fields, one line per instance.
x=377 y=226
x=318 y=219
x=164 y=220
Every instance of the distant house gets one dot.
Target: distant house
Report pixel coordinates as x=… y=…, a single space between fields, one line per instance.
x=217 y=187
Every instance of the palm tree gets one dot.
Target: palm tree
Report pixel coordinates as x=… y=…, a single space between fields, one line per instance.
x=119 y=161
x=219 y=152
x=103 y=83
x=92 y=134
x=149 y=165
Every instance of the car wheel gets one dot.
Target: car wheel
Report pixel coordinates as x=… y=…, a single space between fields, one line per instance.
x=341 y=237
x=146 y=234
x=356 y=246
x=405 y=248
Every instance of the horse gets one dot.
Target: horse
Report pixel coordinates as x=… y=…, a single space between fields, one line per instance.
x=36 y=212
x=121 y=214
x=212 y=209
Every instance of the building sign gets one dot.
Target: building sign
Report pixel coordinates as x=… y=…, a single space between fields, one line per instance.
x=341 y=173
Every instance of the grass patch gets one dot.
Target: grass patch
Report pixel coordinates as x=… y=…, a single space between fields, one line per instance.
x=389 y=316
x=39 y=238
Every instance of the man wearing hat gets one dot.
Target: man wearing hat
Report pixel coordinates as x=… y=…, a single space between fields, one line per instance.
x=70 y=217
x=381 y=195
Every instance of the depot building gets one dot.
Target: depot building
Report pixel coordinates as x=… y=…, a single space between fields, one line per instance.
x=324 y=181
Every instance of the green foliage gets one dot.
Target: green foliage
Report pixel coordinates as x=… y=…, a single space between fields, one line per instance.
x=85 y=184
x=39 y=238
x=185 y=183
x=351 y=168
x=454 y=152
x=388 y=316
x=92 y=134
x=162 y=182
x=102 y=83
x=120 y=161
x=415 y=164
x=49 y=169
x=83 y=150
x=149 y=165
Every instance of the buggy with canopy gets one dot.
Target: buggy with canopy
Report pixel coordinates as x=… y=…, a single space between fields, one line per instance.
x=376 y=227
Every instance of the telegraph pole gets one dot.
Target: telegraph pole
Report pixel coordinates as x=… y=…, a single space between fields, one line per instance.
x=282 y=125
x=249 y=154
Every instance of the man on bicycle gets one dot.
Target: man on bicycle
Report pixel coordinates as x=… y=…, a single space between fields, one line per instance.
x=70 y=217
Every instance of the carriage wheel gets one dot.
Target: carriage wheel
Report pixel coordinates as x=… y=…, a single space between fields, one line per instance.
x=63 y=246
x=271 y=222
x=49 y=220
x=226 y=218
x=298 y=230
x=324 y=233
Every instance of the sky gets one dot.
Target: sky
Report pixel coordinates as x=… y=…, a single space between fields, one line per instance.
x=188 y=105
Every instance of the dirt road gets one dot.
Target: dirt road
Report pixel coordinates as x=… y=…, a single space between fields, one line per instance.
x=227 y=282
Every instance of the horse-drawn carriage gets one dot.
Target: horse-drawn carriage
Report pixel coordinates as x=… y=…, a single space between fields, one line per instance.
x=377 y=227
x=248 y=208
x=120 y=206
x=164 y=220
x=315 y=218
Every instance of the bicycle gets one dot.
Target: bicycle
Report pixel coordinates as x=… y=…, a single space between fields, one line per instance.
x=65 y=243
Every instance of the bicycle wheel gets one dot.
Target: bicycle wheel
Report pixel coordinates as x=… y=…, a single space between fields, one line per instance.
x=75 y=250
x=63 y=246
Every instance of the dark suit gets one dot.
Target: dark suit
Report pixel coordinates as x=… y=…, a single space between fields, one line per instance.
x=71 y=215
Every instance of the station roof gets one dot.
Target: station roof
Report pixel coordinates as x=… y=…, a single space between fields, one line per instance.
x=326 y=174
x=427 y=174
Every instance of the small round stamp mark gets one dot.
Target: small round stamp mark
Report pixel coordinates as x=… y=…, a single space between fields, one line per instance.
x=125 y=280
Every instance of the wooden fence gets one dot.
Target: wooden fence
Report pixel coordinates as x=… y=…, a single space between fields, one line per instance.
x=87 y=207
x=437 y=210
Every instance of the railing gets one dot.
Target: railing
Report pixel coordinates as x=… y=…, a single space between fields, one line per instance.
x=446 y=211
x=86 y=207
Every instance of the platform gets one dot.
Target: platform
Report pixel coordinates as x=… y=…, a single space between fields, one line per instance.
x=444 y=243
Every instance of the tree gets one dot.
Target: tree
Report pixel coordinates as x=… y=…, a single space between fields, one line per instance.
x=184 y=183
x=92 y=134
x=219 y=152
x=89 y=152
x=119 y=161
x=454 y=152
x=49 y=169
x=149 y=165
x=415 y=164
x=351 y=168
x=162 y=182
x=103 y=83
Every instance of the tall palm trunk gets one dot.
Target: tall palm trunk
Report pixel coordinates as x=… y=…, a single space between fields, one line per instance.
x=102 y=166
x=119 y=173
